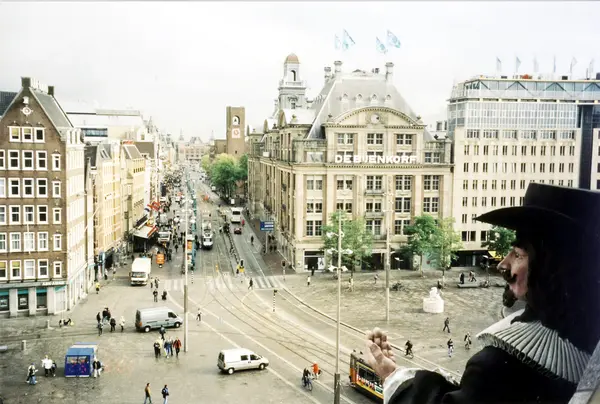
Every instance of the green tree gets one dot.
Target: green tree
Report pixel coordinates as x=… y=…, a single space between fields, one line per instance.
x=356 y=238
x=445 y=242
x=421 y=237
x=224 y=173
x=243 y=168
x=206 y=163
x=500 y=240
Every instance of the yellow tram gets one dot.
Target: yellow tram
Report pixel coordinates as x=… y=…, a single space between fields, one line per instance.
x=364 y=379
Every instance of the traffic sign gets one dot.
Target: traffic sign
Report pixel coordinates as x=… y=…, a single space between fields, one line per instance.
x=267 y=225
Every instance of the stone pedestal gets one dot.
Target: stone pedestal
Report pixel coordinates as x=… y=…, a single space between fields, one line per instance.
x=434 y=303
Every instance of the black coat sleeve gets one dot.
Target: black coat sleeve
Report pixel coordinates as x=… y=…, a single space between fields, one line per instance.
x=491 y=376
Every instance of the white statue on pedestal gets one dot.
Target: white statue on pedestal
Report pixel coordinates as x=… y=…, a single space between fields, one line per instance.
x=434 y=303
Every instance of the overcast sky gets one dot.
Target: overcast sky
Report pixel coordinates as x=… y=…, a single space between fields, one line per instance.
x=183 y=63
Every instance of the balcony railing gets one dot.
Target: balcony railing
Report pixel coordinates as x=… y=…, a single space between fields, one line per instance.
x=377 y=191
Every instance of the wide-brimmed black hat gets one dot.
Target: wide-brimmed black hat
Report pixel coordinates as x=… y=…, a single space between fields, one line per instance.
x=551 y=208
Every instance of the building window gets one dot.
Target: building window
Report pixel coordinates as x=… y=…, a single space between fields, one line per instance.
x=3 y=247
x=57 y=242
x=374 y=182
x=484 y=235
x=56 y=189
x=344 y=183
x=403 y=182
x=15 y=242
x=28 y=188
x=42 y=241
x=56 y=214
x=463 y=218
x=2 y=187
x=400 y=225
x=28 y=214
x=465 y=201
x=314 y=207
x=374 y=226
x=466 y=167
x=431 y=182
x=57 y=268
x=314 y=184
x=3 y=270
x=2 y=160
x=432 y=157
x=430 y=205
x=13 y=160
x=15 y=134
x=42 y=188
x=472 y=134
x=465 y=185
x=402 y=205
x=373 y=206
x=28 y=269
x=27 y=160
x=28 y=241
x=344 y=206
x=42 y=160
x=404 y=139
x=56 y=162
x=374 y=138
x=42 y=268
x=2 y=214
x=14 y=187
x=313 y=228
x=15 y=269
x=15 y=214
x=39 y=135
x=468 y=236
x=42 y=214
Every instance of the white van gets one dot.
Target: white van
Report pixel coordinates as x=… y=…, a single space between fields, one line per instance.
x=231 y=360
x=155 y=317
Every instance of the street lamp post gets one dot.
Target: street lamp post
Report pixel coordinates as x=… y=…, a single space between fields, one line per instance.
x=185 y=287
x=336 y=376
x=388 y=260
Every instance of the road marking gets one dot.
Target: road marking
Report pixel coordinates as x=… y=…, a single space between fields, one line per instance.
x=268 y=368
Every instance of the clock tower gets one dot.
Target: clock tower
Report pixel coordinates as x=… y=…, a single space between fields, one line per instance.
x=292 y=89
x=236 y=128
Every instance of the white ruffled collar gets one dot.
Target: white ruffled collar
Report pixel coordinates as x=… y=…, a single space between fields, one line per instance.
x=537 y=346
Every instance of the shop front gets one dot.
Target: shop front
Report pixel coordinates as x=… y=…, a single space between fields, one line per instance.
x=314 y=259
x=32 y=298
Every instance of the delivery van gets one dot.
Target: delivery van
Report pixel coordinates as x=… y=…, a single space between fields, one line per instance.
x=155 y=317
x=140 y=271
x=231 y=360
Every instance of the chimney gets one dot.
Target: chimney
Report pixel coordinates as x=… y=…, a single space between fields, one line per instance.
x=389 y=72
x=51 y=90
x=25 y=82
x=327 y=70
x=338 y=66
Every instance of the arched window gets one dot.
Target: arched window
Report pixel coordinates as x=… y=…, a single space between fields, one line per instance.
x=293 y=75
x=374 y=97
x=388 y=97
x=359 y=97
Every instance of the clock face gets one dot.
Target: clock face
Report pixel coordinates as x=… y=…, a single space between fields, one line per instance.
x=26 y=111
x=235 y=133
x=374 y=118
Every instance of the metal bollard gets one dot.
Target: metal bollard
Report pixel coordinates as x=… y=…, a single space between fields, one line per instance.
x=23 y=345
x=48 y=324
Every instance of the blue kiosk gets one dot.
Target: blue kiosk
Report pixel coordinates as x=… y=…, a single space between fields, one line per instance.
x=79 y=358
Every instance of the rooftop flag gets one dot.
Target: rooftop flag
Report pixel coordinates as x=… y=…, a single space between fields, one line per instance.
x=380 y=46
x=498 y=64
x=338 y=43
x=347 y=42
x=392 y=40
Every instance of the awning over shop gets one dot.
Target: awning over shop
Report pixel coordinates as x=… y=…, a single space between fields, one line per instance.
x=495 y=255
x=141 y=222
x=145 y=232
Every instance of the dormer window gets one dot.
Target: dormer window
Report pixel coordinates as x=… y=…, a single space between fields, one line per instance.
x=345 y=97
x=388 y=97
x=374 y=97
x=359 y=97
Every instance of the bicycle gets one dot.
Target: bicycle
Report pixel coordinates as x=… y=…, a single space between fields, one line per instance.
x=307 y=383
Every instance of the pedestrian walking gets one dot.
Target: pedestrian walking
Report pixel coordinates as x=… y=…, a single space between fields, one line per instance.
x=113 y=324
x=308 y=280
x=446 y=325
x=166 y=347
x=97 y=287
x=450 y=347
x=177 y=346
x=31 y=371
x=468 y=340
x=251 y=284
x=47 y=365
x=199 y=315
x=156 y=348
x=100 y=325
x=351 y=284
x=165 y=394
x=375 y=278
x=147 y=396
x=156 y=282
x=155 y=293
x=151 y=283
x=96 y=367
x=98 y=318
x=122 y=323
x=162 y=332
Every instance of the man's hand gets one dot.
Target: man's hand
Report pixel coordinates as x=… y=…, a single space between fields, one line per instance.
x=379 y=354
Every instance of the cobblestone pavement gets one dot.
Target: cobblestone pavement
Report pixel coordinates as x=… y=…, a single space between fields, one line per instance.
x=470 y=310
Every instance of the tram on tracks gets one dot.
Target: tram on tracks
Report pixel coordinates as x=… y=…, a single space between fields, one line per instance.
x=364 y=379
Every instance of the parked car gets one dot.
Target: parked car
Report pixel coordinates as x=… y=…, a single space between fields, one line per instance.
x=237 y=230
x=231 y=360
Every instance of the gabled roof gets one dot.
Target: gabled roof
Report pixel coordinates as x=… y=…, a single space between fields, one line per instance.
x=131 y=152
x=298 y=116
x=6 y=98
x=104 y=152
x=146 y=148
x=345 y=92
x=53 y=110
